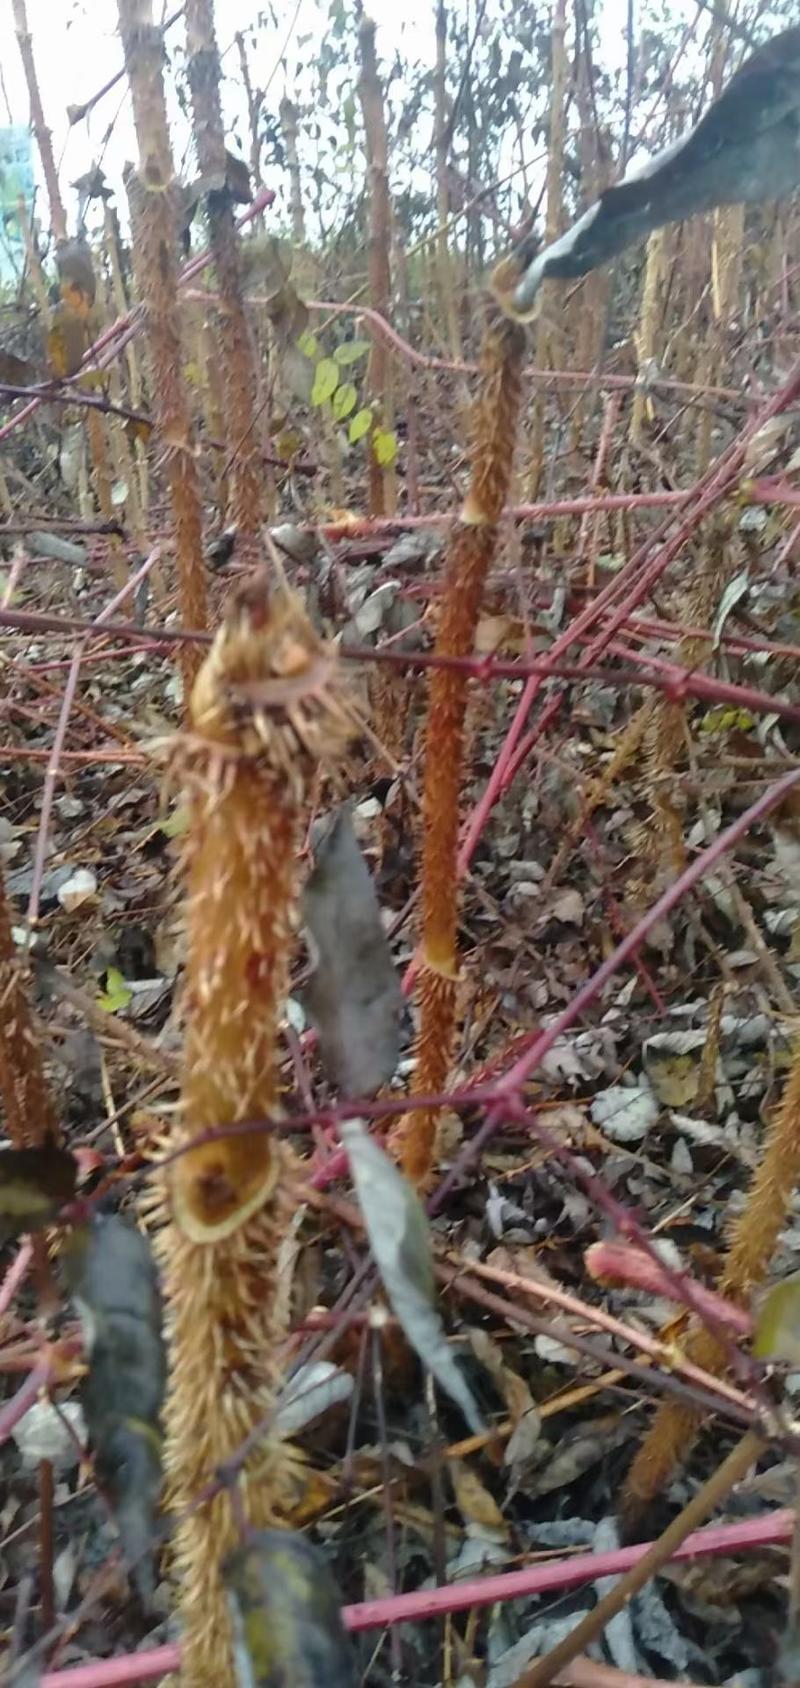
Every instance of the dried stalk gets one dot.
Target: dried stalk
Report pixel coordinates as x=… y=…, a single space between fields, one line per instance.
x=444 y=263
x=30 y=1116
x=753 y=1240
x=546 y=351
x=650 y=321
x=262 y=708
x=44 y=139
x=289 y=125
x=95 y=424
x=154 y=221
x=658 y=842
x=381 y=481
x=236 y=346
x=471 y=549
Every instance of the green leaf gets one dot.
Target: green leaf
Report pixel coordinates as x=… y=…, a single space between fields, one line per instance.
x=360 y=425
x=308 y=344
x=777 y=1329
x=350 y=352
x=384 y=446
x=344 y=400
x=177 y=823
x=117 y=995
x=326 y=380
x=724 y=717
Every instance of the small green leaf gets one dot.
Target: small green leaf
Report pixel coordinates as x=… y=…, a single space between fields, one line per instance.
x=384 y=446
x=344 y=400
x=177 y=823
x=777 y=1334
x=350 y=352
x=777 y=1330
x=724 y=717
x=360 y=425
x=308 y=344
x=117 y=995
x=326 y=380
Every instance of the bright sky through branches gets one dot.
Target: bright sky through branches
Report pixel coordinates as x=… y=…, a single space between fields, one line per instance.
x=77 y=49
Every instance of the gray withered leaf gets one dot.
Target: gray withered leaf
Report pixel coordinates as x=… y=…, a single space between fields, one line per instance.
x=400 y=1238
x=745 y=148
x=286 y=1615
x=111 y=1275
x=353 y=998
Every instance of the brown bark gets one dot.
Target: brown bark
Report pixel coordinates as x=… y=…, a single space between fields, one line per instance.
x=444 y=262
x=254 y=104
x=378 y=246
x=44 y=139
x=470 y=551
x=546 y=350
x=154 y=221
x=237 y=362
x=30 y=1116
x=288 y=116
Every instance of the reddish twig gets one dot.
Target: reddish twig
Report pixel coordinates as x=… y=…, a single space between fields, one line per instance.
x=773 y=1530
x=618 y=1263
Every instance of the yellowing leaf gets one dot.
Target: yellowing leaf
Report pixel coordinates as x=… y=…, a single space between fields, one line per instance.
x=344 y=400
x=474 y=1501
x=138 y=428
x=76 y=277
x=326 y=380
x=117 y=995
x=674 y=1078
x=308 y=344
x=723 y=719
x=67 y=341
x=384 y=445
x=90 y=379
x=350 y=352
x=360 y=425
x=777 y=1333
x=287 y=443
x=34 y=1184
x=177 y=823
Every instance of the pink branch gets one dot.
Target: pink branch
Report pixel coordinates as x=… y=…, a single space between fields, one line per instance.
x=633 y=585
x=617 y=1263
x=714 y=1540
x=15 y=1276
x=21 y=1403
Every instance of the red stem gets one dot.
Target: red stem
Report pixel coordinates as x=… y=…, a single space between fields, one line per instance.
x=715 y=1539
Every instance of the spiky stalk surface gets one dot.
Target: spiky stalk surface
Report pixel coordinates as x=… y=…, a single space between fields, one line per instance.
x=470 y=551
x=261 y=714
